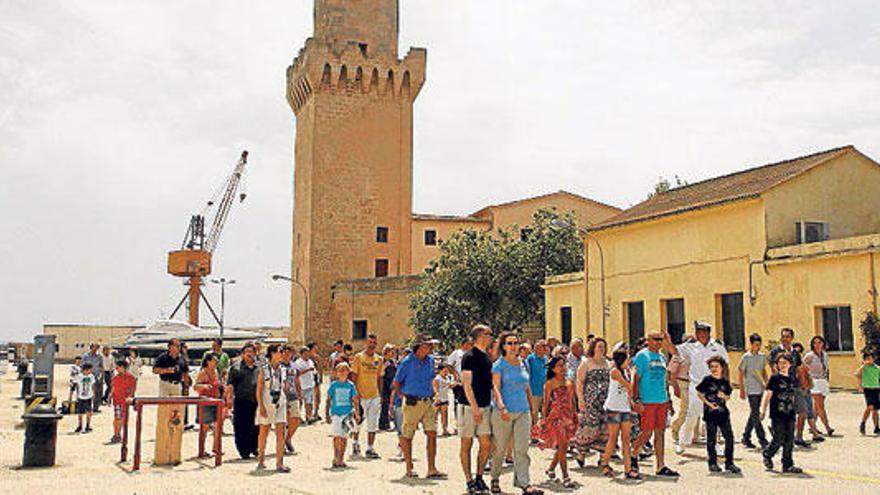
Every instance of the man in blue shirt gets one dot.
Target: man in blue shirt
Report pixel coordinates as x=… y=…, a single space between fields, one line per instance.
x=653 y=401
x=414 y=381
x=537 y=364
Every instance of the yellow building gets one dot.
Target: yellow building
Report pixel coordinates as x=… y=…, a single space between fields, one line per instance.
x=792 y=243
x=380 y=304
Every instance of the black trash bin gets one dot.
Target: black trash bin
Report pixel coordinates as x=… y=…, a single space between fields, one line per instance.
x=26 y=381
x=40 y=436
x=21 y=368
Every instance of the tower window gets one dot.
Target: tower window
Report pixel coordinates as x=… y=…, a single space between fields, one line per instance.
x=430 y=238
x=381 y=268
x=358 y=329
x=382 y=234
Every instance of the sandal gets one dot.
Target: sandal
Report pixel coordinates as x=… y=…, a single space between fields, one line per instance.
x=567 y=483
x=531 y=490
x=282 y=469
x=411 y=474
x=496 y=487
x=551 y=474
x=606 y=470
x=633 y=475
x=436 y=476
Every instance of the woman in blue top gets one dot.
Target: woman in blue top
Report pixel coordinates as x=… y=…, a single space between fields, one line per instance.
x=511 y=414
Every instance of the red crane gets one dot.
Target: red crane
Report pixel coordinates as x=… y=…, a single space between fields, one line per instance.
x=193 y=259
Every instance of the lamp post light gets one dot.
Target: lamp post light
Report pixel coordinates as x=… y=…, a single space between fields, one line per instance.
x=223 y=283
x=586 y=234
x=305 y=299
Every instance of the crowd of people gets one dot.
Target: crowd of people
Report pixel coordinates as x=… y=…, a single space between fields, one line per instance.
x=508 y=394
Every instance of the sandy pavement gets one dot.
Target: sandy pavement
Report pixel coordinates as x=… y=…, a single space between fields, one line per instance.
x=846 y=464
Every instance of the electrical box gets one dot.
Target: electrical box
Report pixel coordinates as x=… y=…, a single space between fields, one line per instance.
x=44 y=365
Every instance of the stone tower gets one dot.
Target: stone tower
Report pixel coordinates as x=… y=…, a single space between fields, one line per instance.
x=353 y=99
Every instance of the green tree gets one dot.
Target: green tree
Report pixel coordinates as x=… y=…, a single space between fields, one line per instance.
x=870 y=327
x=664 y=185
x=494 y=277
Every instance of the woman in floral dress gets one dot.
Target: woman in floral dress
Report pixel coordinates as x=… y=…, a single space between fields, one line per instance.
x=559 y=423
x=592 y=389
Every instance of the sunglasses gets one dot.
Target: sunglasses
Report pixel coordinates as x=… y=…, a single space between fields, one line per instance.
x=511 y=343
x=656 y=339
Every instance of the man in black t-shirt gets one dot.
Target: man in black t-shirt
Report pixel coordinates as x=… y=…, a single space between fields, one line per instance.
x=474 y=399
x=241 y=397
x=172 y=370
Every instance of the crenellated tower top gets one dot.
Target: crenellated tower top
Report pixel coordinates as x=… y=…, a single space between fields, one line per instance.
x=354 y=51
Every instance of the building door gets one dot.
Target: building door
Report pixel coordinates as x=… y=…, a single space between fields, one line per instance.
x=565 y=321
x=635 y=322
x=675 y=319
x=733 y=323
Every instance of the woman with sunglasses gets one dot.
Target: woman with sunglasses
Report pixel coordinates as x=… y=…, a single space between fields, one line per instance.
x=511 y=415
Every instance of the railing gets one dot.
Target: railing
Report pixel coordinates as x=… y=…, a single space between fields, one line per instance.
x=139 y=402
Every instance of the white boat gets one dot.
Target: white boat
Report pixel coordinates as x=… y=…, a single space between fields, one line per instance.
x=153 y=339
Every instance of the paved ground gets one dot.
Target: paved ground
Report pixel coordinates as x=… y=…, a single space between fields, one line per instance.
x=847 y=464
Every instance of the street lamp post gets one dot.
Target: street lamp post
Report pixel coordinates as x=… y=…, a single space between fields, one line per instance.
x=223 y=283
x=305 y=299
x=562 y=224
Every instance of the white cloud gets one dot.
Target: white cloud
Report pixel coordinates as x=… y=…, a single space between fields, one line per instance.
x=118 y=118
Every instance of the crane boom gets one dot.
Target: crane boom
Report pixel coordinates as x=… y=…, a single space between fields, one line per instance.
x=193 y=259
x=229 y=193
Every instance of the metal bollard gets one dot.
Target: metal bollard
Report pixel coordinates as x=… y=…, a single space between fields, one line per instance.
x=40 y=436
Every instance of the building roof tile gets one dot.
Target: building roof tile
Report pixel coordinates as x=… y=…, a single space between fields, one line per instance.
x=737 y=186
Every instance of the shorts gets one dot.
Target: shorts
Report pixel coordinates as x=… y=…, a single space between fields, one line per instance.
x=808 y=400
x=372 y=410
x=341 y=426
x=293 y=409
x=84 y=406
x=442 y=403
x=206 y=415
x=800 y=401
x=618 y=417
x=467 y=428
x=872 y=397
x=398 y=420
x=308 y=396
x=654 y=416
x=119 y=411
x=820 y=387
x=422 y=412
x=274 y=415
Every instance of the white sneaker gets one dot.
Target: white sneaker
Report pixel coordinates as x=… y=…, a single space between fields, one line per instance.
x=679 y=449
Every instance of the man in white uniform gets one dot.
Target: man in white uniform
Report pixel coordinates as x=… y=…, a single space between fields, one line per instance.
x=697 y=353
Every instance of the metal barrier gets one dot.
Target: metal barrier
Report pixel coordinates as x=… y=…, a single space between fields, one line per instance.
x=139 y=402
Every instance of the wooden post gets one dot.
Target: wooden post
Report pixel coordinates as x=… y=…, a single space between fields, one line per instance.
x=137 y=437
x=124 y=433
x=218 y=436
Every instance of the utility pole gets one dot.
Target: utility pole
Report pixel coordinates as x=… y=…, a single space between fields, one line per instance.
x=223 y=283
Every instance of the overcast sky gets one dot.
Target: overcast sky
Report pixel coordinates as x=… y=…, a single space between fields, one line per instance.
x=119 y=118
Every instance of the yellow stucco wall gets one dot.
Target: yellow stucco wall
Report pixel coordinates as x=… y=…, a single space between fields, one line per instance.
x=520 y=212
x=422 y=254
x=702 y=254
x=843 y=192
x=692 y=256
x=565 y=291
